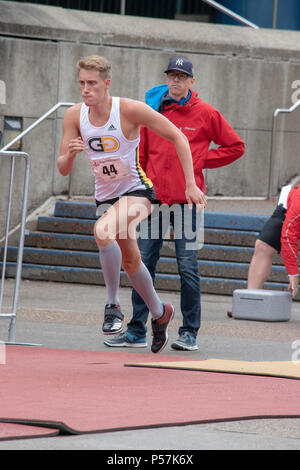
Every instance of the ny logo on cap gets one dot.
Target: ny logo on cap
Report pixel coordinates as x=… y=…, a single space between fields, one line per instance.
x=179 y=62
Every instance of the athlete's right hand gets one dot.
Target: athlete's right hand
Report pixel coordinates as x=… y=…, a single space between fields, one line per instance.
x=75 y=146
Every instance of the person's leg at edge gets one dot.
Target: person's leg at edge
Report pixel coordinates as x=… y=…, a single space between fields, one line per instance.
x=260 y=265
x=266 y=246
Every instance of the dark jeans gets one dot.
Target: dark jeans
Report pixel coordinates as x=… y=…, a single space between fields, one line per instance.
x=186 y=255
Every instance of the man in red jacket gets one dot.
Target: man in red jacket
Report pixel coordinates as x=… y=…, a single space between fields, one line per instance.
x=280 y=233
x=202 y=124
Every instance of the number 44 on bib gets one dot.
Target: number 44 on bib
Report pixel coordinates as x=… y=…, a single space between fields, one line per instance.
x=108 y=169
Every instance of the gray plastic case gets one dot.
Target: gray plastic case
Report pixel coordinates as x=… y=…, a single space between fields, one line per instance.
x=261 y=305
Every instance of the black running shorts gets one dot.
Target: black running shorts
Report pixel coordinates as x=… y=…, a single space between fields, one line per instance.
x=148 y=193
x=271 y=231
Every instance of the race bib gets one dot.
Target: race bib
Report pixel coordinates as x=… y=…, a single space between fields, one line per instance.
x=109 y=169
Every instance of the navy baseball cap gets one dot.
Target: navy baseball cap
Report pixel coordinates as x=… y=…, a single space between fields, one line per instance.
x=182 y=65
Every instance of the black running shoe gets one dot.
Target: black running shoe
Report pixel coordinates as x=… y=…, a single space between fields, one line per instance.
x=160 y=329
x=113 y=318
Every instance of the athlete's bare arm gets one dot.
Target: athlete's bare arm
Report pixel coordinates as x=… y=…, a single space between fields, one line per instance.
x=135 y=114
x=71 y=142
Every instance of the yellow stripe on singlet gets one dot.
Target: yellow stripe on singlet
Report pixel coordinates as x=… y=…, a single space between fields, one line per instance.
x=142 y=175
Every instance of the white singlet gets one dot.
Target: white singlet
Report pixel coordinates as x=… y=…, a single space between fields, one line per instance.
x=283 y=197
x=113 y=158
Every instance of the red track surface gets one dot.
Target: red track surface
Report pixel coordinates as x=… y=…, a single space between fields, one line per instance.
x=88 y=391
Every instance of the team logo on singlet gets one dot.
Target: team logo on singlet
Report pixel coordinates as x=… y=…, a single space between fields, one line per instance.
x=104 y=144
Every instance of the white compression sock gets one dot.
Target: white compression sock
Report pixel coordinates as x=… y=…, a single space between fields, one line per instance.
x=142 y=283
x=111 y=259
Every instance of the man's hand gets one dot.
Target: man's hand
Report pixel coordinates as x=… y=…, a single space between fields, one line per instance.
x=194 y=195
x=293 y=285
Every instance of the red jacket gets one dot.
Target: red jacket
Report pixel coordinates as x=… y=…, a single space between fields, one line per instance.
x=290 y=232
x=202 y=124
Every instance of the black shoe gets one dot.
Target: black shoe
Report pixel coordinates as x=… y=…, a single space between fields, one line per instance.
x=160 y=329
x=113 y=318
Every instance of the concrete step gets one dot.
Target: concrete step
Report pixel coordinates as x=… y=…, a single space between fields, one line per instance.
x=77 y=209
x=86 y=227
x=65 y=225
x=164 y=282
x=79 y=242
x=62 y=248
x=234 y=221
x=229 y=221
x=230 y=237
x=71 y=258
x=70 y=241
x=56 y=257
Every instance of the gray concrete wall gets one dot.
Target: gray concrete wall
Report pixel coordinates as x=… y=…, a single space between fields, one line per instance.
x=243 y=72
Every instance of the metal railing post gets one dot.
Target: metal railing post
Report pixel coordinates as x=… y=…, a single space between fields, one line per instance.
x=123 y=7
x=13 y=154
x=13 y=314
x=12 y=169
x=272 y=163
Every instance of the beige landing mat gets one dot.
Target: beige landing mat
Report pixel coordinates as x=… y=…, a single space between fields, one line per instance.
x=287 y=369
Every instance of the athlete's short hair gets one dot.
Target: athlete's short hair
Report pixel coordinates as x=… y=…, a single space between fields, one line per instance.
x=95 y=62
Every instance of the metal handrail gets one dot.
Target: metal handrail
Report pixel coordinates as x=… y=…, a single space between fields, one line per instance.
x=13 y=154
x=230 y=13
x=213 y=4
x=287 y=110
x=275 y=114
x=13 y=314
x=36 y=123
